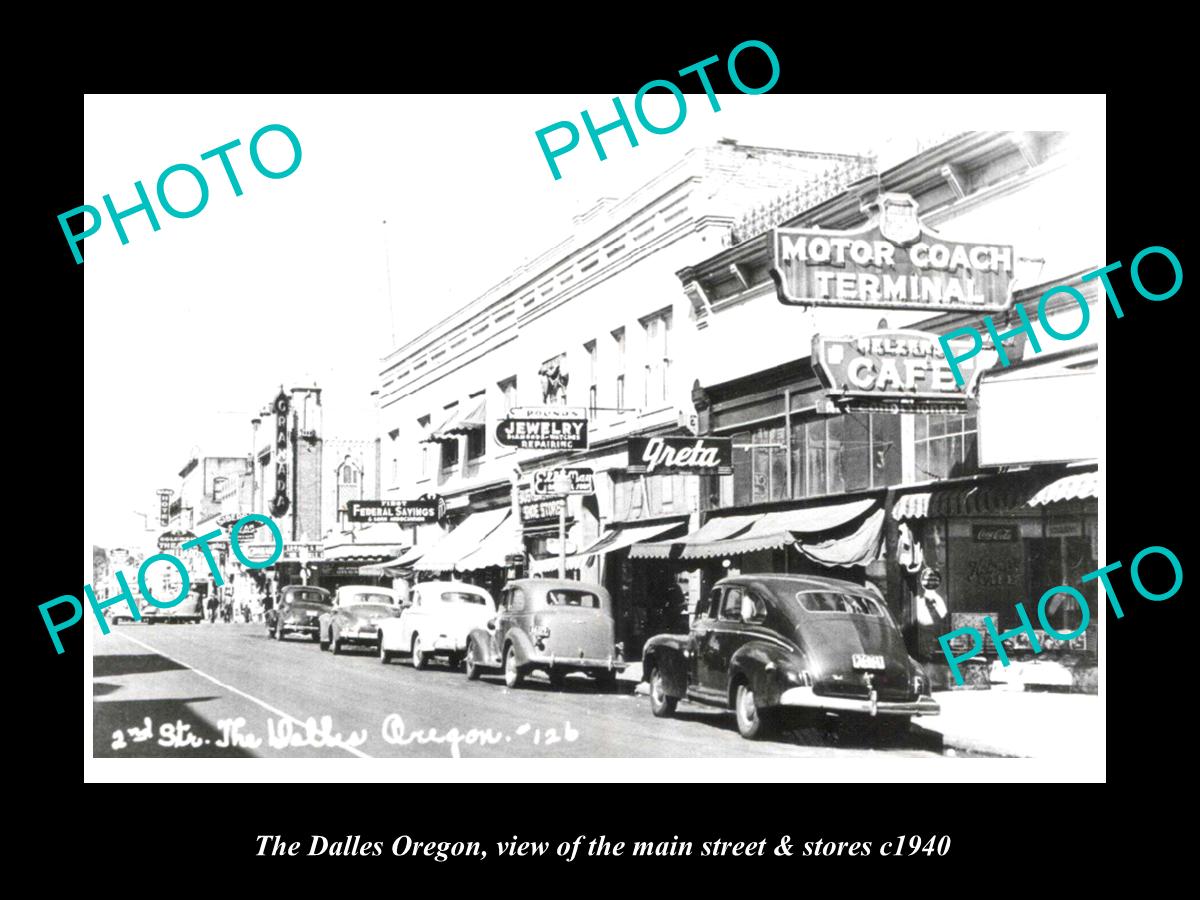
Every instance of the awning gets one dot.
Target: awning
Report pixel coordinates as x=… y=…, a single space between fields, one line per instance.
x=493 y=549
x=856 y=549
x=375 y=542
x=360 y=552
x=475 y=417
x=444 y=431
x=1080 y=486
x=618 y=539
x=694 y=545
x=462 y=541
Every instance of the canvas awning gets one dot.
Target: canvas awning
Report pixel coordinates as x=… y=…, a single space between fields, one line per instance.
x=462 y=541
x=493 y=549
x=443 y=432
x=618 y=539
x=475 y=417
x=378 y=541
x=694 y=545
x=1080 y=486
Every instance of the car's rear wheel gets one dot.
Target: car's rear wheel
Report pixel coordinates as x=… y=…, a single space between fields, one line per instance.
x=385 y=655
x=473 y=670
x=752 y=722
x=513 y=676
x=419 y=659
x=557 y=678
x=661 y=704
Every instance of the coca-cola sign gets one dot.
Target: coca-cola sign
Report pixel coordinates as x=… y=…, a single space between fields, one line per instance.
x=671 y=455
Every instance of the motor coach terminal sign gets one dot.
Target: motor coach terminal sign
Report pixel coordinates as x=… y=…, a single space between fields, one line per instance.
x=706 y=456
x=544 y=428
x=894 y=262
x=424 y=509
x=889 y=371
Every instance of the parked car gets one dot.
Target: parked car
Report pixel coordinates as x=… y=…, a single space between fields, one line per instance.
x=766 y=644
x=556 y=626
x=436 y=623
x=297 y=611
x=354 y=619
x=188 y=611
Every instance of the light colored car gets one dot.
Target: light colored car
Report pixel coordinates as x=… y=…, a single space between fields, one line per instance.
x=437 y=622
x=358 y=610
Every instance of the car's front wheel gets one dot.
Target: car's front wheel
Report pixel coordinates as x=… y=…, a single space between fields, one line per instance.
x=419 y=659
x=335 y=642
x=473 y=670
x=385 y=655
x=513 y=676
x=661 y=703
x=323 y=639
x=752 y=722
x=279 y=632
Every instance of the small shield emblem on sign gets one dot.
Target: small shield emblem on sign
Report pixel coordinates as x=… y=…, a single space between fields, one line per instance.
x=898 y=218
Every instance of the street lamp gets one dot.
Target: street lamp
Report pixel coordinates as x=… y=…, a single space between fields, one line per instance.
x=562 y=487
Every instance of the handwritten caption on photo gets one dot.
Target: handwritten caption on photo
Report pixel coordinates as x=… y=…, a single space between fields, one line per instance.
x=601 y=845
x=201 y=543
x=285 y=734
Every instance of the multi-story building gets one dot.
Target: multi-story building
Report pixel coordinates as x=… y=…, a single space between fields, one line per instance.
x=597 y=322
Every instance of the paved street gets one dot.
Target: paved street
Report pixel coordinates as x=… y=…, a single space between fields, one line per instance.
x=194 y=682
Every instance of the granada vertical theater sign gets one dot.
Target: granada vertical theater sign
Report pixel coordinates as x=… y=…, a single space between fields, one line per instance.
x=893 y=262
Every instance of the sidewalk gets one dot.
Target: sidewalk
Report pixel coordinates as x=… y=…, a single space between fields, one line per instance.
x=1019 y=723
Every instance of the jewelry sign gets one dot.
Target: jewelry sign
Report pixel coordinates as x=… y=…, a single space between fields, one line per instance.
x=887 y=371
x=544 y=428
x=893 y=262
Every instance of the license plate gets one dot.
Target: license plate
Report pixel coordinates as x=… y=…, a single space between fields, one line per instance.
x=867 y=661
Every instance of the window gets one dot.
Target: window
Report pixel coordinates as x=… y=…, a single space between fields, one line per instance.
x=462 y=597
x=516 y=600
x=658 y=362
x=477 y=437
x=731 y=607
x=572 y=598
x=449 y=454
x=830 y=601
x=590 y=349
x=349 y=474
x=618 y=337
x=946 y=445
x=508 y=390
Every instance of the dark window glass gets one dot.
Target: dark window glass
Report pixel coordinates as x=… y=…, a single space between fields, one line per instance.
x=831 y=601
x=743 y=463
x=799 y=473
x=462 y=597
x=885 y=450
x=731 y=608
x=836 y=460
x=585 y=599
x=856 y=451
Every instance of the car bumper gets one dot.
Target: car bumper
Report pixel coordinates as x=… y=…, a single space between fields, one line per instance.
x=298 y=628
x=359 y=636
x=805 y=697
x=577 y=662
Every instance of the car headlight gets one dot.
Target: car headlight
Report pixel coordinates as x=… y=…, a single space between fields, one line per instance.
x=798 y=677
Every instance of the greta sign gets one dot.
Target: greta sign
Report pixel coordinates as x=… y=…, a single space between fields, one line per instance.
x=706 y=456
x=893 y=262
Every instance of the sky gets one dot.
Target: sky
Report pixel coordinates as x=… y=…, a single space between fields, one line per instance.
x=190 y=330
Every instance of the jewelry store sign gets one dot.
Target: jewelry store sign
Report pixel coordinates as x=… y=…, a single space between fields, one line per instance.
x=888 y=371
x=893 y=262
x=544 y=428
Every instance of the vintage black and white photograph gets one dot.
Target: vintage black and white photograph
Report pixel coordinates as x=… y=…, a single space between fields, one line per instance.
x=534 y=427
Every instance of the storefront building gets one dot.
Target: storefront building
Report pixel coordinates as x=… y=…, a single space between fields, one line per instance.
x=953 y=507
x=596 y=324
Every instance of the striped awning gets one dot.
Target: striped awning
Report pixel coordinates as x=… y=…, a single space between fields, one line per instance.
x=464 y=540
x=630 y=535
x=1080 y=486
x=444 y=431
x=693 y=546
x=493 y=549
x=475 y=417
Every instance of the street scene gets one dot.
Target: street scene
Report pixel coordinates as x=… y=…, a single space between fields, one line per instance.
x=712 y=476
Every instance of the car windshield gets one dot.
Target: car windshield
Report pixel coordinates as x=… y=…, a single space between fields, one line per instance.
x=365 y=597
x=462 y=597
x=833 y=601
x=585 y=599
x=308 y=597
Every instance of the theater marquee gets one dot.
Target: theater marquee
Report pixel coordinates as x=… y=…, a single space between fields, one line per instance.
x=893 y=262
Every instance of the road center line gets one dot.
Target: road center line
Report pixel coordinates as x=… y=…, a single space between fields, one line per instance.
x=267 y=706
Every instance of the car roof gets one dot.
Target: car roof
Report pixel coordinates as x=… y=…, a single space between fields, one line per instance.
x=777 y=582
x=552 y=584
x=304 y=587
x=450 y=586
x=374 y=589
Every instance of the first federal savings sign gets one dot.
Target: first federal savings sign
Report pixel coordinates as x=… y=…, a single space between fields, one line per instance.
x=544 y=428
x=894 y=262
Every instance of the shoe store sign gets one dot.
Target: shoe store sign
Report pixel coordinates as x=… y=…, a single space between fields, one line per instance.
x=893 y=262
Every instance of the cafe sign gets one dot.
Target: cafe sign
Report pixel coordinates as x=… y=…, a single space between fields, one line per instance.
x=889 y=371
x=544 y=428
x=425 y=509
x=892 y=262
x=672 y=455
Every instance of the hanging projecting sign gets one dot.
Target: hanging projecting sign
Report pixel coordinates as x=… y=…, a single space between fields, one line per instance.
x=280 y=503
x=536 y=508
x=580 y=480
x=893 y=262
x=889 y=371
x=164 y=506
x=424 y=509
x=170 y=541
x=665 y=456
x=544 y=428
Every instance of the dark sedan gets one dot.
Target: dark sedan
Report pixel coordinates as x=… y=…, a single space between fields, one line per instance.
x=297 y=611
x=766 y=644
